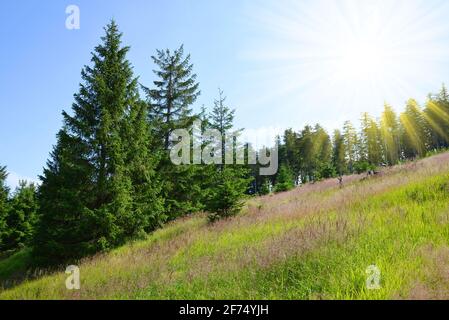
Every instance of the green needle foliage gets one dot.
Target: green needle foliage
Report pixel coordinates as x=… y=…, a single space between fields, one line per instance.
x=265 y=188
x=98 y=188
x=175 y=91
x=284 y=180
x=4 y=206
x=21 y=219
x=170 y=108
x=225 y=199
x=338 y=154
x=110 y=178
x=229 y=183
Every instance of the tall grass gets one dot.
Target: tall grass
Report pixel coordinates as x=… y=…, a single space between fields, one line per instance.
x=314 y=242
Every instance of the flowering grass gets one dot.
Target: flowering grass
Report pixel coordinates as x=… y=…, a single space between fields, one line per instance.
x=314 y=242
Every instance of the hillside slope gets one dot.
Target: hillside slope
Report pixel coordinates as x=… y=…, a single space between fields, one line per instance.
x=315 y=242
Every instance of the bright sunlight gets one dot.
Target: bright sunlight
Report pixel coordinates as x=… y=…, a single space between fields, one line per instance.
x=361 y=60
x=346 y=54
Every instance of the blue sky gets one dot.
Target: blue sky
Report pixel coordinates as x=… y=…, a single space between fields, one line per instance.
x=281 y=63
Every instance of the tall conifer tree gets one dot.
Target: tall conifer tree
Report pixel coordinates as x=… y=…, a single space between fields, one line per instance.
x=98 y=188
x=4 y=205
x=389 y=126
x=351 y=142
x=413 y=131
x=229 y=181
x=436 y=116
x=170 y=103
x=176 y=89
x=339 y=153
x=22 y=217
x=370 y=141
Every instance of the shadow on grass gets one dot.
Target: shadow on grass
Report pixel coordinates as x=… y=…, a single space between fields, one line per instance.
x=16 y=268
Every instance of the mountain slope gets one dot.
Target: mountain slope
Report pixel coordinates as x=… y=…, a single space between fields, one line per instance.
x=315 y=242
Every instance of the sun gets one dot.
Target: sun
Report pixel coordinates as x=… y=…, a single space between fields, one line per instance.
x=367 y=51
x=353 y=55
x=361 y=60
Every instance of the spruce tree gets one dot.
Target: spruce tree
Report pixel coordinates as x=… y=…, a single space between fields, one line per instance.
x=222 y=119
x=170 y=107
x=176 y=89
x=265 y=188
x=436 y=115
x=284 y=181
x=225 y=198
x=442 y=101
x=230 y=182
x=307 y=154
x=292 y=156
x=389 y=126
x=98 y=188
x=22 y=217
x=314 y=150
x=323 y=154
x=339 y=153
x=4 y=205
x=351 y=142
x=413 y=131
x=370 y=140
x=141 y=165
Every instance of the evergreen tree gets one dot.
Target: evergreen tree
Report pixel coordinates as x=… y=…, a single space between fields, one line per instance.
x=265 y=187
x=98 y=187
x=222 y=119
x=182 y=189
x=282 y=156
x=413 y=133
x=351 y=144
x=254 y=172
x=225 y=198
x=370 y=141
x=4 y=205
x=169 y=104
x=436 y=116
x=230 y=181
x=141 y=164
x=291 y=153
x=284 y=180
x=339 y=153
x=176 y=90
x=442 y=100
x=22 y=217
x=323 y=154
x=307 y=155
x=389 y=127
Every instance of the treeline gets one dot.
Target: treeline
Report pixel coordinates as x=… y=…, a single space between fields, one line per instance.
x=312 y=154
x=18 y=214
x=110 y=179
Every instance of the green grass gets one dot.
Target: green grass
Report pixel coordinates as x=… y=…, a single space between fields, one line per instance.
x=14 y=265
x=337 y=270
x=311 y=243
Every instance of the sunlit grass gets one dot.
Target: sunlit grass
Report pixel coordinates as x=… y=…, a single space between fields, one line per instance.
x=315 y=242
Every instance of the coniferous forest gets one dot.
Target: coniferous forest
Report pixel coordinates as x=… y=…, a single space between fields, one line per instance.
x=109 y=178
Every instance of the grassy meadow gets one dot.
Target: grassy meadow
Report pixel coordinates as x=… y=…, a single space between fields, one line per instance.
x=315 y=242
